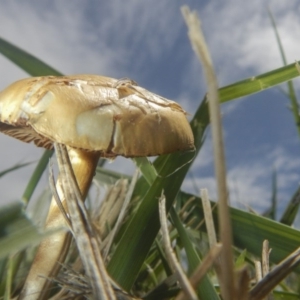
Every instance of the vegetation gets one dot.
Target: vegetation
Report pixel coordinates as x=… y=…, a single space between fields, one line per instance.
x=137 y=257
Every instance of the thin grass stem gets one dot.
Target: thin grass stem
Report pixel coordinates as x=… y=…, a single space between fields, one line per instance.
x=199 y=45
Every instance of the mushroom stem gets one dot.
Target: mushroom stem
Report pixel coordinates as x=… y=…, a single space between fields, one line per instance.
x=53 y=250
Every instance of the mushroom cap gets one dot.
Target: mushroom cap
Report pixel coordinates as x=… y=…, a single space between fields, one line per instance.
x=94 y=113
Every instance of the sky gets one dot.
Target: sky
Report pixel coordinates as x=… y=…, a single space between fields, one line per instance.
x=147 y=41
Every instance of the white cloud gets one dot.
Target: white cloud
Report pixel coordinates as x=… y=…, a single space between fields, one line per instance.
x=194 y=184
x=241 y=37
x=64 y=37
x=250 y=183
x=129 y=40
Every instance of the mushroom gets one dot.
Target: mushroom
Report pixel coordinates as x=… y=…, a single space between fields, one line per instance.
x=93 y=116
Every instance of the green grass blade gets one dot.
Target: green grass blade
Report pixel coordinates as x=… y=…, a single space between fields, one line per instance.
x=9 y=280
x=146 y=168
x=205 y=289
x=278 y=39
x=26 y=61
x=274 y=196
x=291 y=91
x=14 y=168
x=250 y=230
x=241 y=260
x=144 y=226
x=259 y=83
x=142 y=230
x=34 y=67
x=291 y=210
x=36 y=175
x=17 y=231
x=271 y=213
x=163 y=259
x=281 y=295
x=12 y=265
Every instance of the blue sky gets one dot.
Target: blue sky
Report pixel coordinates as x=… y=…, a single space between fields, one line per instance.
x=147 y=41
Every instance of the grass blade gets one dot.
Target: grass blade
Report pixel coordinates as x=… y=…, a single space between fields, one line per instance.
x=36 y=175
x=200 y=48
x=259 y=83
x=26 y=61
x=14 y=168
x=291 y=91
x=17 y=231
x=34 y=67
x=290 y=213
x=143 y=227
x=250 y=230
x=206 y=289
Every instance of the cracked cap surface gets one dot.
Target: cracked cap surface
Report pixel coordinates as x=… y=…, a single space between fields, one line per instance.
x=94 y=113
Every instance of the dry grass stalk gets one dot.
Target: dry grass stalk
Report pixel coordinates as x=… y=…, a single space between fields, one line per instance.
x=182 y=278
x=105 y=216
x=56 y=196
x=84 y=234
x=187 y=208
x=265 y=258
x=201 y=50
x=258 y=270
x=242 y=284
x=77 y=286
x=275 y=276
x=202 y=269
x=73 y=284
x=121 y=214
x=210 y=227
x=209 y=222
x=265 y=262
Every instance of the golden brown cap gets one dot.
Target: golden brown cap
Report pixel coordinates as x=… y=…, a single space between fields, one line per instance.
x=95 y=113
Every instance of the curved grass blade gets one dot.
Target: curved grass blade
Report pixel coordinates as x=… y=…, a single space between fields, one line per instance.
x=205 y=289
x=14 y=168
x=259 y=83
x=291 y=210
x=280 y=295
x=36 y=175
x=142 y=230
x=250 y=230
x=291 y=91
x=34 y=67
x=165 y=165
x=26 y=61
x=17 y=231
x=293 y=207
x=146 y=168
x=143 y=227
x=271 y=212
